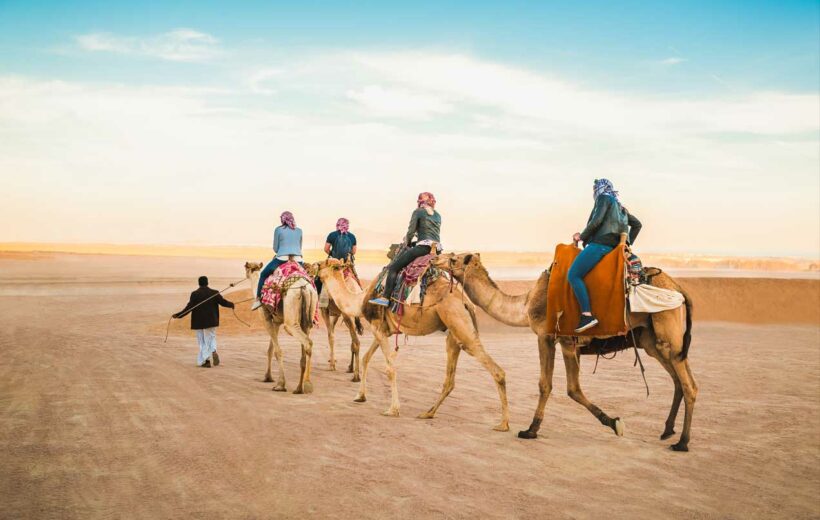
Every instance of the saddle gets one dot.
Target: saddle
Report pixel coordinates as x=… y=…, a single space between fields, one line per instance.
x=606 y=284
x=278 y=283
x=412 y=282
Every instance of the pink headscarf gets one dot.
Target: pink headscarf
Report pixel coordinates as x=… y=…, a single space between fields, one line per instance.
x=426 y=199
x=287 y=220
x=343 y=225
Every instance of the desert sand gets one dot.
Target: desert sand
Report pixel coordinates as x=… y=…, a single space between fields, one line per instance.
x=100 y=419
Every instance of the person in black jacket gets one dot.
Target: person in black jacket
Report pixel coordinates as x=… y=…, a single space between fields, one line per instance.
x=204 y=308
x=603 y=232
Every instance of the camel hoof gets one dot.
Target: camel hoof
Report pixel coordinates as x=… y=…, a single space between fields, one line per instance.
x=360 y=399
x=308 y=387
x=526 y=434
x=299 y=391
x=268 y=379
x=679 y=447
x=668 y=433
x=503 y=427
x=356 y=379
x=390 y=413
x=279 y=389
x=349 y=370
x=618 y=427
x=426 y=415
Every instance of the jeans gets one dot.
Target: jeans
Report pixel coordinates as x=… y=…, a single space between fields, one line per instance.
x=399 y=263
x=267 y=271
x=584 y=262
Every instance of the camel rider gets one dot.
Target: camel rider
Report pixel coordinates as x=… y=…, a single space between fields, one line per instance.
x=287 y=243
x=425 y=223
x=603 y=232
x=342 y=242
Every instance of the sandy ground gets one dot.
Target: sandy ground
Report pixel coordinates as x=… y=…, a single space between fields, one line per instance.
x=99 y=418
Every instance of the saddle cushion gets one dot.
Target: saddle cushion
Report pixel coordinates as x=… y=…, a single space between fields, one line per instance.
x=607 y=294
x=280 y=281
x=412 y=283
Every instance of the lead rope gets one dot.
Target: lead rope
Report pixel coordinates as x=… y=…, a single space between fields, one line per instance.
x=232 y=284
x=638 y=360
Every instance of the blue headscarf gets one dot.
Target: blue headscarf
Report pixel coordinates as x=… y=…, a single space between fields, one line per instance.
x=605 y=187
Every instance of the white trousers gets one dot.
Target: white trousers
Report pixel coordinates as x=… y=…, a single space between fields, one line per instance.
x=207 y=344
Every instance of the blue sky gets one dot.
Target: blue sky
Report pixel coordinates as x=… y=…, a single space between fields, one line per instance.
x=706 y=114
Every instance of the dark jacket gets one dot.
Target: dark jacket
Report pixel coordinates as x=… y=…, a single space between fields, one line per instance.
x=427 y=227
x=206 y=315
x=607 y=221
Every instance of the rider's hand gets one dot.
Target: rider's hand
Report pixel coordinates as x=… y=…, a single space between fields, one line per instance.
x=576 y=237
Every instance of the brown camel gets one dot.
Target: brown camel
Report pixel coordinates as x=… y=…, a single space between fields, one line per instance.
x=298 y=308
x=665 y=336
x=442 y=310
x=331 y=316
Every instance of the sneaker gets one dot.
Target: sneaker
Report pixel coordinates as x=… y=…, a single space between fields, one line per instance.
x=206 y=364
x=256 y=304
x=216 y=358
x=384 y=302
x=587 y=322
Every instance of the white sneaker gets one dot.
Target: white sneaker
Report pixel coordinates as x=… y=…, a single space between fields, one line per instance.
x=256 y=304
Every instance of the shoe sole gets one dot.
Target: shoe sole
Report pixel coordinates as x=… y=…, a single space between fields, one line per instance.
x=587 y=326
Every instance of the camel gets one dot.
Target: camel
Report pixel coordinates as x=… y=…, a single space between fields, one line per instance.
x=299 y=306
x=665 y=336
x=331 y=315
x=442 y=310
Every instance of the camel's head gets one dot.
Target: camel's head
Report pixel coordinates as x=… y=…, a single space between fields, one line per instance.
x=252 y=267
x=312 y=269
x=326 y=268
x=457 y=263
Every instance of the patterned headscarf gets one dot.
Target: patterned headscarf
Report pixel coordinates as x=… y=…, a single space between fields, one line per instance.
x=604 y=186
x=287 y=220
x=342 y=225
x=426 y=199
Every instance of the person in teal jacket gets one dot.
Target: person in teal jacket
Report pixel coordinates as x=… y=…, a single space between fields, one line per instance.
x=287 y=242
x=603 y=232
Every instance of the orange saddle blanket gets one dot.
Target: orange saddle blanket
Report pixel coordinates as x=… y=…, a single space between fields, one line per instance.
x=605 y=283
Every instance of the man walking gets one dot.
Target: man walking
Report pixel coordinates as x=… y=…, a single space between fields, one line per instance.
x=204 y=308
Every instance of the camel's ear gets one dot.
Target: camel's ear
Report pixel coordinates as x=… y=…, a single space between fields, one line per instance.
x=467 y=258
x=478 y=256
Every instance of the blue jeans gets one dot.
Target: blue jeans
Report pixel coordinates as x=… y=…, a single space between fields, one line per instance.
x=584 y=262
x=267 y=271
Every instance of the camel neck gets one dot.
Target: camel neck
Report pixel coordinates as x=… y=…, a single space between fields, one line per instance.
x=508 y=309
x=350 y=303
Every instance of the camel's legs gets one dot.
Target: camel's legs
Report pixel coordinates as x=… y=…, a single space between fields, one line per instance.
x=466 y=334
x=277 y=351
x=690 y=393
x=453 y=350
x=355 y=345
x=330 y=321
x=268 y=377
x=647 y=340
x=546 y=353
x=362 y=395
x=574 y=388
x=295 y=330
x=390 y=370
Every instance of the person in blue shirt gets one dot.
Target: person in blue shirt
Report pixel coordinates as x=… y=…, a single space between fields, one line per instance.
x=342 y=242
x=603 y=232
x=287 y=243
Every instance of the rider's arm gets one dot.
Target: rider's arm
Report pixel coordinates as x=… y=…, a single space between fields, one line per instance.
x=327 y=248
x=276 y=240
x=412 y=228
x=598 y=214
x=634 y=227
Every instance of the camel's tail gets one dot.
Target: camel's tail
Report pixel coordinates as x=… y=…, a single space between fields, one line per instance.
x=308 y=308
x=687 y=335
x=359 y=327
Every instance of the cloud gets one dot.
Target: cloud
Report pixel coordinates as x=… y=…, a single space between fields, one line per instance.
x=398 y=103
x=182 y=44
x=258 y=79
x=673 y=60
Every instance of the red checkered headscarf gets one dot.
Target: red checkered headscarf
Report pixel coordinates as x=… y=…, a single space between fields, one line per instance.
x=288 y=220
x=426 y=199
x=342 y=225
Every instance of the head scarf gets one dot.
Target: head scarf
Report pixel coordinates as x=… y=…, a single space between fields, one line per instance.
x=604 y=187
x=426 y=199
x=342 y=225
x=287 y=220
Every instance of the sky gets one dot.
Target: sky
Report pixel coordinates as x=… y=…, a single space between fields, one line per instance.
x=200 y=122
